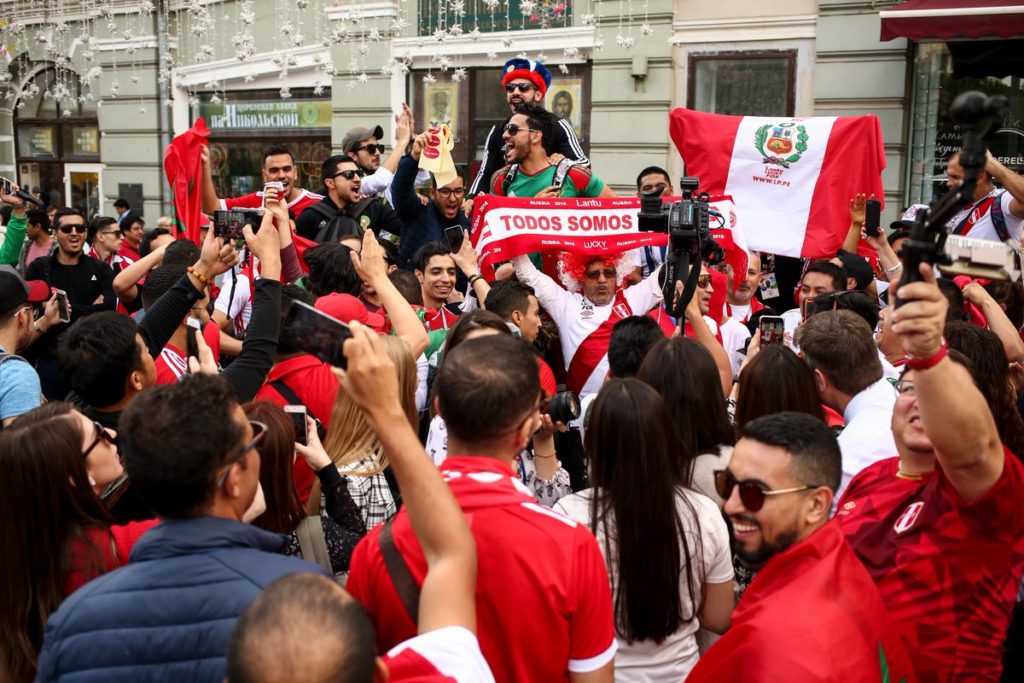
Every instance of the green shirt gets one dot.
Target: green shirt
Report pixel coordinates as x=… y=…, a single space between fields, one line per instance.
x=579 y=182
x=10 y=250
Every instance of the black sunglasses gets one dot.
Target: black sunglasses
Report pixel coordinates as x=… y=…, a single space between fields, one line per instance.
x=752 y=493
x=348 y=175
x=521 y=87
x=513 y=129
x=102 y=434
x=111 y=232
x=372 y=149
x=77 y=227
x=259 y=430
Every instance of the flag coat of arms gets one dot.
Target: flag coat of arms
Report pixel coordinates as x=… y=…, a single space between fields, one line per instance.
x=791 y=178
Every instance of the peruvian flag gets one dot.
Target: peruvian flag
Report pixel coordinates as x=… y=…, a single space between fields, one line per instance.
x=726 y=230
x=791 y=178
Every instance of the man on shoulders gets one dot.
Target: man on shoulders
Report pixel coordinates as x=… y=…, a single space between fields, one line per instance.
x=194 y=459
x=425 y=223
x=526 y=82
x=531 y=172
x=995 y=214
x=778 y=491
x=325 y=632
x=939 y=526
x=840 y=349
x=344 y=211
x=278 y=166
x=543 y=600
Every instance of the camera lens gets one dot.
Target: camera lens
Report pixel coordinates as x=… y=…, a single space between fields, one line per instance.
x=563 y=407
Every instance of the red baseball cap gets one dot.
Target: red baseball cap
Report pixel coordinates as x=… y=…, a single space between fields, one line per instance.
x=347 y=308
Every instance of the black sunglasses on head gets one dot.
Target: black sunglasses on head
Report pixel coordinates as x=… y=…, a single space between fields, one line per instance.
x=752 y=493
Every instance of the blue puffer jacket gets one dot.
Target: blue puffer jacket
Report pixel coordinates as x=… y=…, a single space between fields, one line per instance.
x=167 y=615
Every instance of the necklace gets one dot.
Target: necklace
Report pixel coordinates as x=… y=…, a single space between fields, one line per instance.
x=900 y=474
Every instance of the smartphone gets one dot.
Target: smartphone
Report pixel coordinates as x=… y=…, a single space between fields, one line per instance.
x=297 y=413
x=62 y=305
x=454 y=236
x=229 y=224
x=6 y=186
x=307 y=329
x=872 y=217
x=772 y=328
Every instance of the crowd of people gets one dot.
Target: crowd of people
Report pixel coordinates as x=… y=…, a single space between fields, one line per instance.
x=536 y=475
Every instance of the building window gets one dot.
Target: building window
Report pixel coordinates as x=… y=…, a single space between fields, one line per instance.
x=743 y=83
x=941 y=72
x=472 y=107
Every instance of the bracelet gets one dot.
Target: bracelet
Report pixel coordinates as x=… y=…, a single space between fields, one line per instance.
x=474 y=278
x=895 y=269
x=199 y=276
x=930 y=362
x=538 y=455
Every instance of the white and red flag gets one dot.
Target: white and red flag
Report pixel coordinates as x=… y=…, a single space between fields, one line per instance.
x=791 y=178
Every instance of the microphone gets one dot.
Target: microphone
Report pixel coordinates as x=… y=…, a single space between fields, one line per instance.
x=8 y=188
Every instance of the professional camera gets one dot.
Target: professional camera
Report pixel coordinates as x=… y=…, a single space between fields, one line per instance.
x=563 y=407
x=229 y=224
x=929 y=242
x=689 y=238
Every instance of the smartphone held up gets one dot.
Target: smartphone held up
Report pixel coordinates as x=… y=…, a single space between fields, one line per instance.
x=311 y=331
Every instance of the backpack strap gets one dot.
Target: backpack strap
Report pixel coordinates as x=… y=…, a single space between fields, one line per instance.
x=293 y=399
x=357 y=209
x=562 y=171
x=401 y=578
x=510 y=176
x=999 y=218
x=310 y=533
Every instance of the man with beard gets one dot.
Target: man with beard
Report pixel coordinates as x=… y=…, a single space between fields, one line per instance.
x=278 y=166
x=89 y=284
x=813 y=614
x=422 y=224
x=526 y=82
x=344 y=211
x=531 y=172
x=939 y=527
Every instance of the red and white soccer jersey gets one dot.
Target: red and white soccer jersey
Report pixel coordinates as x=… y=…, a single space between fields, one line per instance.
x=171 y=364
x=543 y=598
x=583 y=325
x=947 y=569
x=254 y=200
x=451 y=655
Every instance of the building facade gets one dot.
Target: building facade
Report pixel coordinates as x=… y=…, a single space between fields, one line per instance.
x=96 y=90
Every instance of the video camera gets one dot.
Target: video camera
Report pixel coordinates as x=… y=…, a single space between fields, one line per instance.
x=929 y=240
x=686 y=222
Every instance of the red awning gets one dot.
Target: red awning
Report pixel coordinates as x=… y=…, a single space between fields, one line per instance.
x=948 y=19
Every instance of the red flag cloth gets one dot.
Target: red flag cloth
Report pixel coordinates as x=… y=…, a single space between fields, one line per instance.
x=716 y=307
x=727 y=231
x=183 y=167
x=301 y=245
x=790 y=178
x=811 y=614
x=973 y=312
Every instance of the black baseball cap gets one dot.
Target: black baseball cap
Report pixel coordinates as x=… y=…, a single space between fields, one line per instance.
x=15 y=290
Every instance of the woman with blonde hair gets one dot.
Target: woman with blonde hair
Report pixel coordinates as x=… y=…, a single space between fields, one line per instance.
x=356 y=450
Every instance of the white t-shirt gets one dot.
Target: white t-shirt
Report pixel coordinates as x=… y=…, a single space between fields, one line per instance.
x=734 y=335
x=983 y=227
x=237 y=303
x=672 y=660
x=867 y=436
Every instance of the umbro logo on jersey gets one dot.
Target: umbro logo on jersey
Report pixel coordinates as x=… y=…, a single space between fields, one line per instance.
x=909 y=517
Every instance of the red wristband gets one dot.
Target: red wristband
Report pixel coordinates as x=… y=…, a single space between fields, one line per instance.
x=930 y=362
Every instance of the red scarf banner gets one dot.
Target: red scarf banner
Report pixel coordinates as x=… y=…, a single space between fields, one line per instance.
x=184 y=168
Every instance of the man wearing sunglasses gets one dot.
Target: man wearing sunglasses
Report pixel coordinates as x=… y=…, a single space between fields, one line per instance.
x=938 y=524
x=526 y=82
x=345 y=211
x=89 y=285
x=194 y=459
x=364 y=145
x=813 y=613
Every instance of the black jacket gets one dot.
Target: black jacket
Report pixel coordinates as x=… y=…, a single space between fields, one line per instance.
x=563 y=140
x=377 y=216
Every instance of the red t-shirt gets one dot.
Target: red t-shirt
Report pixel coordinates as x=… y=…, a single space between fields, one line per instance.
x=110 y=550
x=254 y=200
x=313 y=382
x=948 y=569
x=446 y=655
x=172 y=365
x=440 y=319
x=544 y=603
x=548 y=385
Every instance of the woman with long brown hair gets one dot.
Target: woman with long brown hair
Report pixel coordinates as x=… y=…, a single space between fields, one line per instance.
x=55 y=533
x=356 y=451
